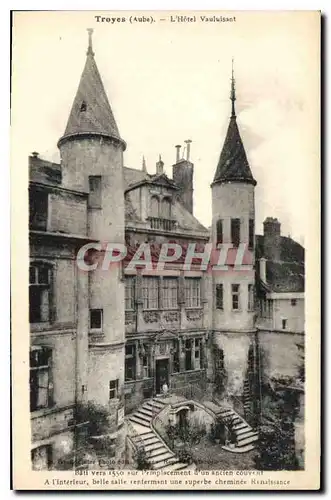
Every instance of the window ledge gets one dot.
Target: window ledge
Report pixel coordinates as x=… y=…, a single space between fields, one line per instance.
x=43 y=412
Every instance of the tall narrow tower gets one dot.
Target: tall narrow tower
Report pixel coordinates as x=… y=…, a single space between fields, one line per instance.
x=233 y=217
x=92 y=161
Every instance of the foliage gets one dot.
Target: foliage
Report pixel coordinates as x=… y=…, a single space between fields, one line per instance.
x=95 y=417
x=140 y=457
x=184 y=455
x=92 y=421
x=275 y=447
x=189 y=433
x=218 y=431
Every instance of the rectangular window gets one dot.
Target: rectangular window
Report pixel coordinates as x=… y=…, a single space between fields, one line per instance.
x=251 y=236
x=41 y=386
x=198 y=354
x=188 y=354
x=219 y=232
x=284 y=324
x=219 y=296
x=41 y=457
x=38 y=210
x=150 y=292
x=193 y=292
x=235 y=297
x=145 y=362
x=130 y=362
x=269 y=309
x=129 y=293
x=39 y=293
x=170 y=293
x=94 y=199
x=176 y=365
x=293 y=302
x=235 y=232
x=96 y=319
x=250 y=297
x=113 y=389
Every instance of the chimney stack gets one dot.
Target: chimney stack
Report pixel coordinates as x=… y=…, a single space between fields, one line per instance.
x=188 y=149
x=182 y=175
x=35 y=154
x=178 y=152
x=272 y=239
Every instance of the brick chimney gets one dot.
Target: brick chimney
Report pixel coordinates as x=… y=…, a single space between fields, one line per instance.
x=272 y=239
x=182 y=174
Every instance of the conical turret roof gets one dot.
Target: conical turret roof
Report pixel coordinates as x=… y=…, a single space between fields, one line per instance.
x=233 y=165
x=91 y=113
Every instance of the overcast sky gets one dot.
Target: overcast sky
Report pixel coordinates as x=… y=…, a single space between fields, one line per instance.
x=168 y=82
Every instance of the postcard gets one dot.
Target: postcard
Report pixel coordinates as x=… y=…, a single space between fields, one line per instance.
x=165 y=250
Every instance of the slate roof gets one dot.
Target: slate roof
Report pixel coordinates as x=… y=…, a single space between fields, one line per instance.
x=233 y=164
x=287 y=274
x=91 y=112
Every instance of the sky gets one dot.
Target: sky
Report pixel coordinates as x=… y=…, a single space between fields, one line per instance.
x=167 y=82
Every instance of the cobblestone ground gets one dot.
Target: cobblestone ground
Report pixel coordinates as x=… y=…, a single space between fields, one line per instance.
x=208 y=455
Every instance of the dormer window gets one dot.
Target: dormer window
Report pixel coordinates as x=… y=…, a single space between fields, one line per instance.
x=165 y=208
x=83 y=107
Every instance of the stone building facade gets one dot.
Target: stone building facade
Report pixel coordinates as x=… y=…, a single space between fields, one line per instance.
x=114 y=336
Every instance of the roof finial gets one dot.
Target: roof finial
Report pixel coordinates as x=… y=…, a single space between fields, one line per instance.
x=90 y=49
x=233 y=91
x=144 y=169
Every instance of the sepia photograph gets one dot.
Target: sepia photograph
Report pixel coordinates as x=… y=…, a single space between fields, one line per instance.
x=169 y=176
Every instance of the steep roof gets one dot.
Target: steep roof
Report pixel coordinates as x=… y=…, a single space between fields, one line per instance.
x=288 y=273
x=233 y=164
x=91 y=112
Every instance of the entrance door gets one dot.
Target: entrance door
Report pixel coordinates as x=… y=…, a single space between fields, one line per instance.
x=161 y=374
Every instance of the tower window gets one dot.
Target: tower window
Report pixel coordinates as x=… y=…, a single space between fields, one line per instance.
x=250 y=297
x=251 y=234
x=219 y=296
x=94 y=200
x=113 y=389
x=83 y=107
x=235 y=232
x=284 y=324
x=235 y=297
x=219 y=232
x=96 y=319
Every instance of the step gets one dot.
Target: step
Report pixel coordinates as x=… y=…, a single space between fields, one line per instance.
x=146 y=411
x=152 y=407
x=243 y=430
x=139 y=421
x=142 y=416
x=154 y=446
x=226 y=412
x=159 y=401
x=147 y=435
x=161 y=457
x=152 y=440
x=248 y=434
x=242 y=449
x=176 y=466
x=165 y=463
x=240 y=426
x=249 y=440
x=157 y=452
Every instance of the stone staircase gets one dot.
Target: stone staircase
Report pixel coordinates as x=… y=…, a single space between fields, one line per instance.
x=245 y=434
x=158 y=454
